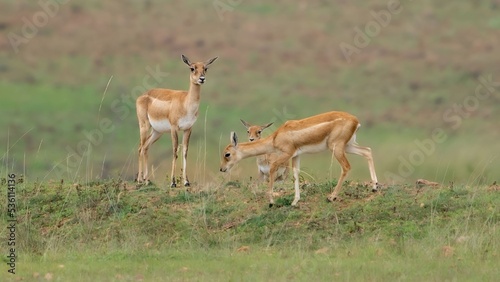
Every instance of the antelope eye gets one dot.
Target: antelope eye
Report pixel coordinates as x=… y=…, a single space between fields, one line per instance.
x=192 y=69
x=227 y=155
x=248 y=131
x=206 y=69
x=259 y=132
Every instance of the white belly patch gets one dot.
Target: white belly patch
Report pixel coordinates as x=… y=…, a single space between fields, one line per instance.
x=187 y=122
x=162 y=125
x=311 y=149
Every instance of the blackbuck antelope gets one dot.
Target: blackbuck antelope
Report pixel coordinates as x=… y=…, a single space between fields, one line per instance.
x=255 y=133
x=334 y=131
x=166 y=110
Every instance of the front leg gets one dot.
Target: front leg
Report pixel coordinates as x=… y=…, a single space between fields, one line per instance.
x=185 y=147
x=275 y=161
x=175 y=146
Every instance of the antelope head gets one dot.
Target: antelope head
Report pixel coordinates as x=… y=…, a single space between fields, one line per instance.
x=198 y=70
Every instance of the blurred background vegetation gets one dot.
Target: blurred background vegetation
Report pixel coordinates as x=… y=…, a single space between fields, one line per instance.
x=277 y=60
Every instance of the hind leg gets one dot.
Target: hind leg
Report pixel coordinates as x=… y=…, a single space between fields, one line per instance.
x=366 y=152
x=143 y=153
x=144 y=127
x=144 y=135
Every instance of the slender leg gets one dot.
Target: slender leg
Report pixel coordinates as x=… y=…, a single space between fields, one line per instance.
x=185 y=147
x=155 y=135
x=272 y=175
x=140 y=176
x=144 y=127
x=296 y=171
x=339 y=154
x=274 y=163
x=175 y=146
x=367 y=154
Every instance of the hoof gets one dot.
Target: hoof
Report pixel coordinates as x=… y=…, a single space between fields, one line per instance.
x=331 y=199
x=187 y=184
x=271 y=205
x=173 y=185
x=143 y=182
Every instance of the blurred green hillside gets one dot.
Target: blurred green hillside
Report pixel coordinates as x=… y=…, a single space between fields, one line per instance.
x=417 y=78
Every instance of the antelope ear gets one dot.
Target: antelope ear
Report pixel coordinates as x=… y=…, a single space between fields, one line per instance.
x=245 y=123
x=209 y=62
x=267 y=125
x=186 y=60
x=234 y=139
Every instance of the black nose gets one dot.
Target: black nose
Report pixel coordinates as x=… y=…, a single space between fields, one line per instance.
x=220 y=169
x=251 y=139
x=202 y=79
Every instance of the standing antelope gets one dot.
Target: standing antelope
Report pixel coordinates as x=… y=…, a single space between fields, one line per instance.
x=254 y=133
x=335 y=131
x=166 y=110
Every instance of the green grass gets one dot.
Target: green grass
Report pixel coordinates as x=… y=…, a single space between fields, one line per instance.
x=109 y=230
x=358 y=262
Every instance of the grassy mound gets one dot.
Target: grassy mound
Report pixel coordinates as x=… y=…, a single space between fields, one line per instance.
x=118 y=231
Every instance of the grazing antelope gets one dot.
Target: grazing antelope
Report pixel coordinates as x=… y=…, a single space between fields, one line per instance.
x=334 y=131
x=166 y=110
x=254 y=133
